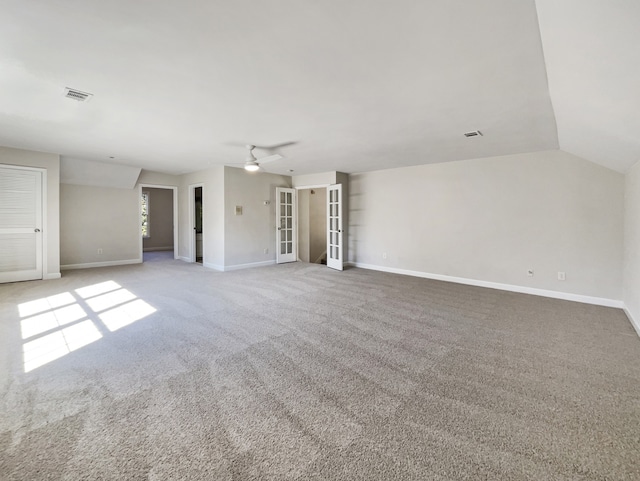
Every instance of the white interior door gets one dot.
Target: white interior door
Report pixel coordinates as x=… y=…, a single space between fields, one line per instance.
x=20 y=224
x=334 y=223
x=286 y=236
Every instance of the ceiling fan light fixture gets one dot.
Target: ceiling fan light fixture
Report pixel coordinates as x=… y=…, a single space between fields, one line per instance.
x=251 y=166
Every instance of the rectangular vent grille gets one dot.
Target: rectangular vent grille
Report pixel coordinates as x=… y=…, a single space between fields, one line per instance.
x=77 y=95
x=473 y=134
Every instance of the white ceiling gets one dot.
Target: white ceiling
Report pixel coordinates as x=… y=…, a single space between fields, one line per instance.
x=359 y=85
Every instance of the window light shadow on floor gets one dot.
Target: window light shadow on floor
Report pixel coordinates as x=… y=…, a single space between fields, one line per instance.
x=54 y=326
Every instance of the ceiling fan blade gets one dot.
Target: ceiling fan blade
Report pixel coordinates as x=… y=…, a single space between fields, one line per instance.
x=261 y=147
x=270 y=158
x=276 y=146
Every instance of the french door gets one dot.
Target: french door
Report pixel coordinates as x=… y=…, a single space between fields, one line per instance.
x=20 y=224
x=334 y=226
x=286 y=235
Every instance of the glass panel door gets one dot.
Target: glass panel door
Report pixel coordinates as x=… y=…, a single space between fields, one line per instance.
x=334 y=223
x=286 y=236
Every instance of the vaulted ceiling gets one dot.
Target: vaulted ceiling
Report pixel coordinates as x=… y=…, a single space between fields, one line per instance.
x=179 y=86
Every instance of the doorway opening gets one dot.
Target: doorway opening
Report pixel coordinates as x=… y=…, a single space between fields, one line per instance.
x=158 y=219
x=312 y=225
x=197 y=222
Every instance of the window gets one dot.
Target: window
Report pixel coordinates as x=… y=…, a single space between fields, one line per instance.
x=145 y=214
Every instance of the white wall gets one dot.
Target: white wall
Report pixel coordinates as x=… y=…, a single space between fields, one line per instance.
x=50 y=162
x=161 y=220
x=158 y=178
x=93 y=218
x=632 y=245
x=313 y=180
x=492 y=219
x=247 y=235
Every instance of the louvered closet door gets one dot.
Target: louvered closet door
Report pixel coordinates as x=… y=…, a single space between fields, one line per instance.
x=20 y=224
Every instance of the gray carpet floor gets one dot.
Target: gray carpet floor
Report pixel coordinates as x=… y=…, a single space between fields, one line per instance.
x=167 y=370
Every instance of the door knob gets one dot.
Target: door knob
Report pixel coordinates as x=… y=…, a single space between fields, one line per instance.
x=36 y=230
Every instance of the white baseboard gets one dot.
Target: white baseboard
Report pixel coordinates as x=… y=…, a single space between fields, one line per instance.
x=48 y=277
x=154 y=249
x=215 y=267
x=90 y=265
x=184 y=259
x=599 y=301
x=237 y=267
x=634 y=322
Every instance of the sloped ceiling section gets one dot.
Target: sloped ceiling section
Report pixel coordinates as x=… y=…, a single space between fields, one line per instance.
x=592 y=53
x=98 y=174
x=359 y=84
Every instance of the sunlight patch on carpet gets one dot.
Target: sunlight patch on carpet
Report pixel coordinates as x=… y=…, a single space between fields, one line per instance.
x=55 y=326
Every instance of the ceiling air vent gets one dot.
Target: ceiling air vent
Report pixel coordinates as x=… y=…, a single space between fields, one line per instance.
x=475 y=133
x=77 y=95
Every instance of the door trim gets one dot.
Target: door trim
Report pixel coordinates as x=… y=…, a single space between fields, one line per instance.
x=175 y=214
x=45 y=225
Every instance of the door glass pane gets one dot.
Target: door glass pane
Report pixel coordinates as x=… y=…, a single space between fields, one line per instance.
x=289 y=210
x=283 y=248
x=289 y=223
x=289 y=247
x=288 y=197
x=282 y=198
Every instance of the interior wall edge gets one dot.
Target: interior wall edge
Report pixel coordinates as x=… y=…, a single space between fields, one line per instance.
x=215 y=267
x=634 y=322
x=237 y=267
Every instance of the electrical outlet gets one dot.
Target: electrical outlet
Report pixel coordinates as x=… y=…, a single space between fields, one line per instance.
x=384 y=255
x=266 y=251
x=530 y=272
x=562 y=276
x=99 y=251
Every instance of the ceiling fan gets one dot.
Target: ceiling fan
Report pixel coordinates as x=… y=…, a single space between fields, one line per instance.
x=252 y=163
